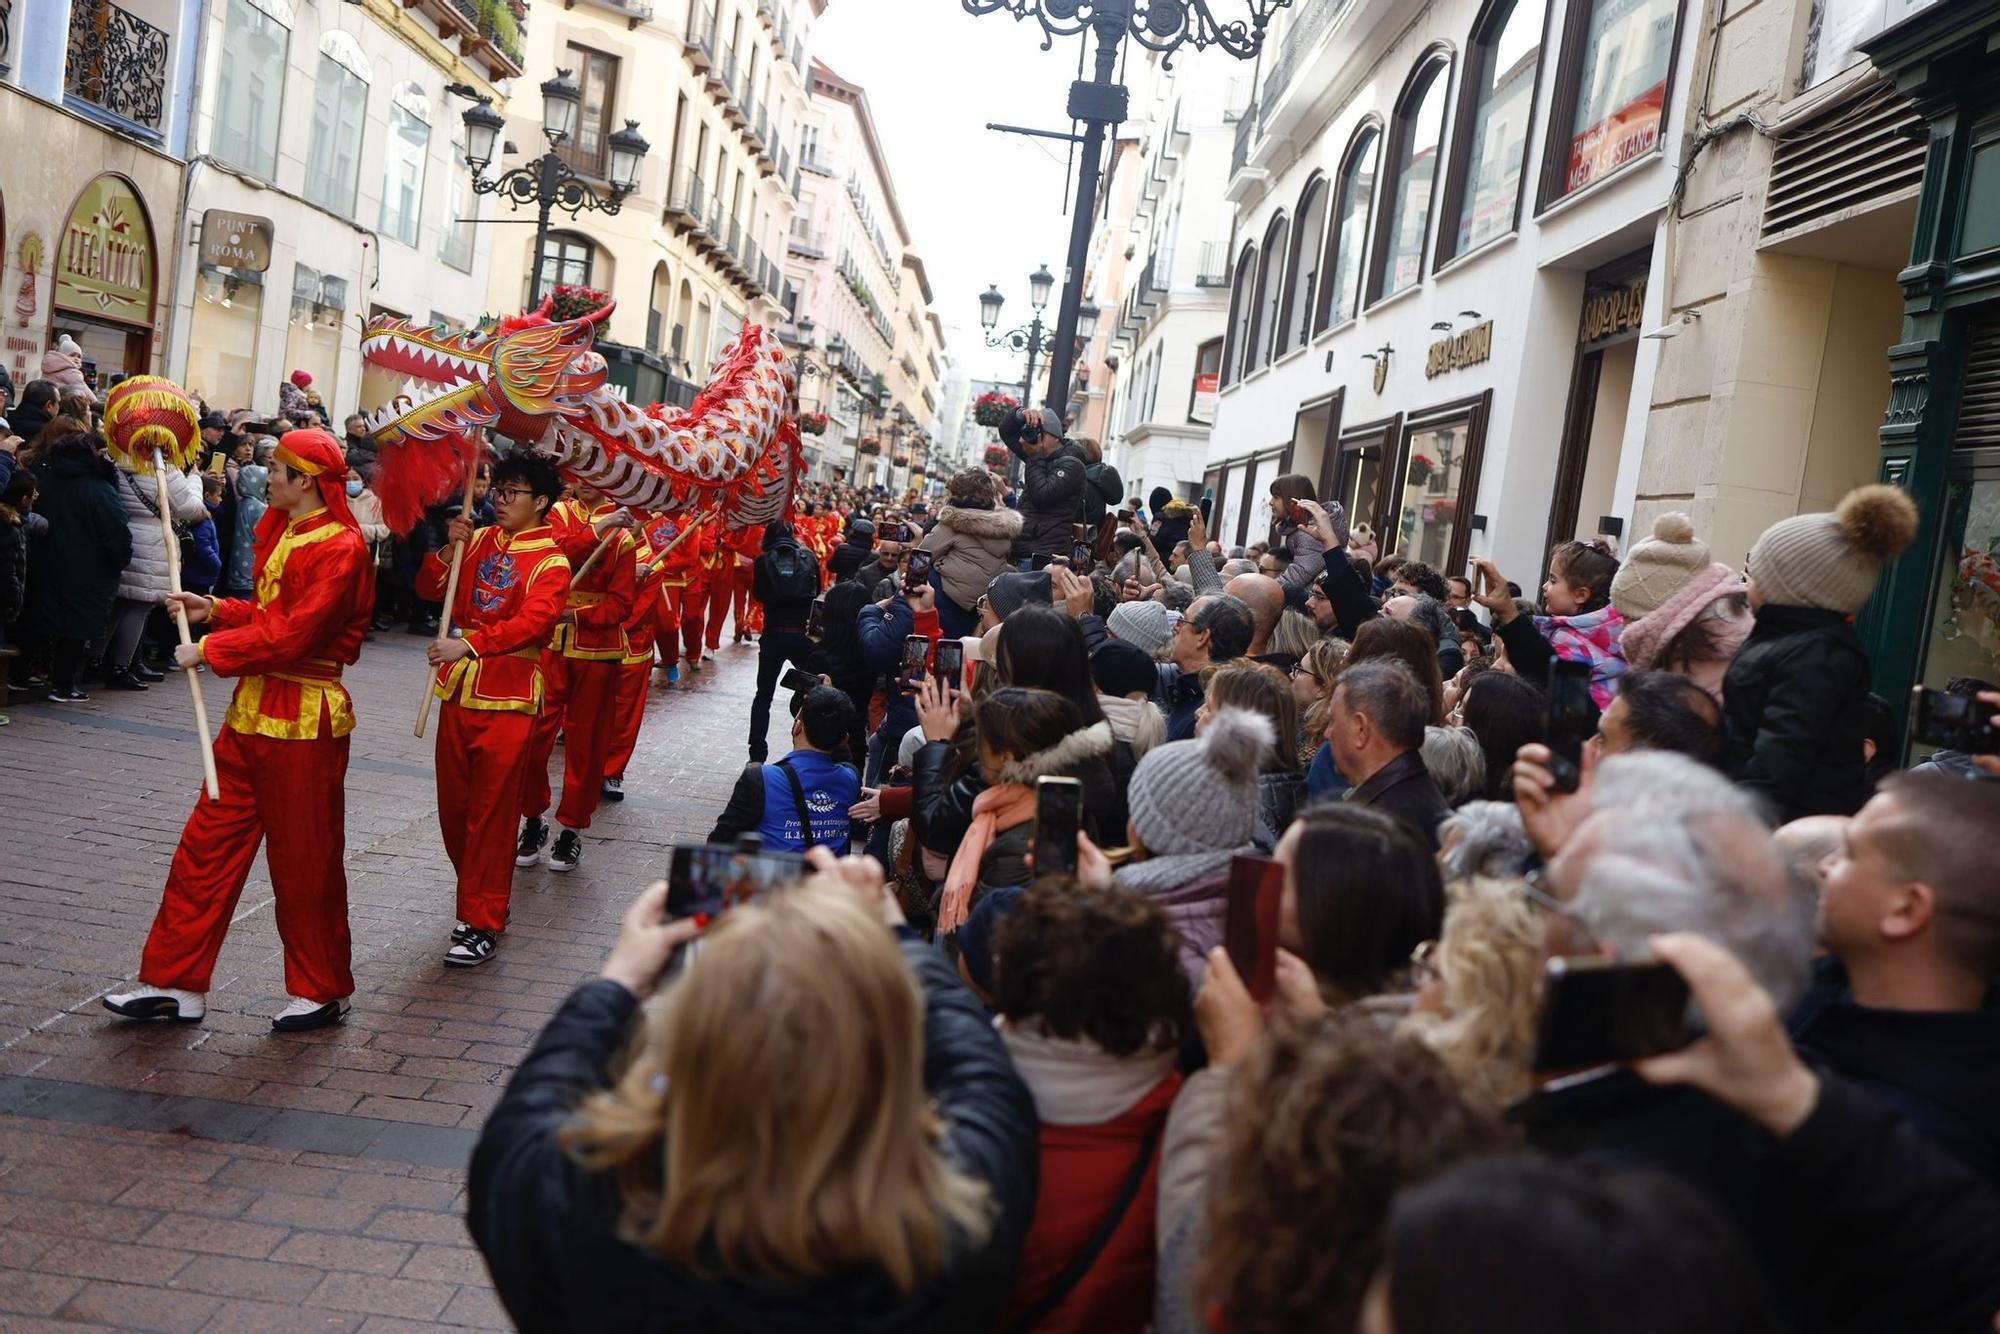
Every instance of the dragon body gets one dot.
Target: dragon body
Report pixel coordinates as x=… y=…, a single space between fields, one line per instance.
x=538 y=381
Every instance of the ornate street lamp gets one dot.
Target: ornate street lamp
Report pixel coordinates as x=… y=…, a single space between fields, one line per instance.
x=1099 y=102
x=1033 y=337
x=548 y=182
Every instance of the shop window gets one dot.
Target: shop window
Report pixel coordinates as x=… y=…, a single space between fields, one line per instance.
x=597 y=74
x=1496 y=102
x=222 y=341
x=567 y=260
x=252 y=92
x=1611 y=90
x=1302 y=269
x=312 y=333
x=340 y=110
x=1414 y=136
x=1438 y=481
x=1242 y=307
x=1347 y=233
x=455 y=246
x=1207 y=379
x=1837 y=28
x=1270 y=292
x=1358 y=474
x=404 y=154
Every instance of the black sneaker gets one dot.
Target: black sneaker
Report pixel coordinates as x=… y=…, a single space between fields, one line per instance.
x=534 y=837
x=613 y=789
x=472 y=949
x=459 y=930
x=123 y=679
x=147 y=674
x=567 y=852
x=70 y=696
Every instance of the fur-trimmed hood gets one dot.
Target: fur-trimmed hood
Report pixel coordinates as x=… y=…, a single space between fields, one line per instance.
x=1002 y=523
x=1092 y=743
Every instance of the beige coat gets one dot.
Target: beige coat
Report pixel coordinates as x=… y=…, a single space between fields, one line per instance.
x=971 y=547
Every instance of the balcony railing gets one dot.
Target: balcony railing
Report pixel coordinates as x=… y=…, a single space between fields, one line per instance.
x=689 y=198
x=701 y=38
x=811 y=161
x=1246 y=135
x=1310 y=21
x=1214 y=268
x=807 y=241
x=117 y=61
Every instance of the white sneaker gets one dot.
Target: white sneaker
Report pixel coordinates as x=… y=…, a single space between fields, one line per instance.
x=301 y=1015
x=144 y=1002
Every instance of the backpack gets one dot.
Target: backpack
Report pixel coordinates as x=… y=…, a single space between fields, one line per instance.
x=791 y=573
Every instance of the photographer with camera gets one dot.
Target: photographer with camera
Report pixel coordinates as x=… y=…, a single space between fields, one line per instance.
x=801 y=801
x=1052 y=482
x=785 y=580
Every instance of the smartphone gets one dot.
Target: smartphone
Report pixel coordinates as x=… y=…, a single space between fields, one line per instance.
x=1081 y=557
x=1058 y=821
x=1569 y=720
x=949 y=663
x=917 y=572
x=1953 y=722
x=1296 y=514
x=1595 y=1011
x=916 y=652
x=1250 y=926
x=798 y=680
x=816 y=619
x=711 y=878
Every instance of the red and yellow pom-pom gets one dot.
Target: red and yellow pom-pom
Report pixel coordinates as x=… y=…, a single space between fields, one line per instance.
x=148 y=414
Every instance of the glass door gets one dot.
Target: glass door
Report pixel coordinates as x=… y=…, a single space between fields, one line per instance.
x=1962 y=643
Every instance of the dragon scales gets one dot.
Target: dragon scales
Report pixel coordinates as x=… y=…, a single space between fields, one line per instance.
x=540 y=383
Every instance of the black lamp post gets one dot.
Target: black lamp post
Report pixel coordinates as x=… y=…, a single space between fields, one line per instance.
x=1158 y=25
x=549 y=182
x=1033 y=337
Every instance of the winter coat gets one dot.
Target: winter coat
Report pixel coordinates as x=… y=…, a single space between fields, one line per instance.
x=549 y=1228
x=204 y=563
x=145 y=577
x=1051 y=493
x=1792 y=701
x=1308 y=556
x=971 y=546
x=1170 y=527
x=253 y=486
x=13 y=563
x=63 y=368
x=362 y=455
x=943 y=800
x=1102 y=489
x=1403 y=788
x=88 y=544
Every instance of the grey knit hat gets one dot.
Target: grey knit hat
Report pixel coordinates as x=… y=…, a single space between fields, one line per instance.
x=1654 y=570
x=1830 y=561
x=1202 y=795
x=1145 y=624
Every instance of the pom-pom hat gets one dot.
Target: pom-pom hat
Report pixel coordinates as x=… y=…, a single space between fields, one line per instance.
x=1655 y=569
x=1201 y=795
x=1831 y=561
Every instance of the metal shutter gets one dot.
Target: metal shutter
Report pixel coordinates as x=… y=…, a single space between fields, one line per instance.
x=1864 y=151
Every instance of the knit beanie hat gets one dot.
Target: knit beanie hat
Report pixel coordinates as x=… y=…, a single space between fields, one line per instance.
x=1010 y=590
x=1145 y=624
x=1654 y=570
x=1201 y=795
x=1123 y=669
x=1157 y=499
x=301 y=378
x=1830 y=561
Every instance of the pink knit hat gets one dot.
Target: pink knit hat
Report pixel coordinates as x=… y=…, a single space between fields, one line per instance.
x=301 y=378
x=1645 y=639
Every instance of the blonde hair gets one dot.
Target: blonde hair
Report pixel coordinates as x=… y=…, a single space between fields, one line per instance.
x=1489 y=965
x=1324 y=659
x=773 y=1120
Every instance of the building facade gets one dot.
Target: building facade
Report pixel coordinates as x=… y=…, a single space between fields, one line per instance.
x=1447 y=248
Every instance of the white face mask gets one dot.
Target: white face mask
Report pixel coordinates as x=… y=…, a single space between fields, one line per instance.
x=353 y=489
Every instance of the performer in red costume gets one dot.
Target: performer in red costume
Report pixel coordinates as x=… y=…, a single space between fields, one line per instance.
x=674 y=565
x=582 y=662
x=704 y=579
x=281 y=758
x=746 y=544
x=629 y=709
x=511 y=591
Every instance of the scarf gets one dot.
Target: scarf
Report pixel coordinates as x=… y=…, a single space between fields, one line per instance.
x=999 y=807
x=1078 y=1083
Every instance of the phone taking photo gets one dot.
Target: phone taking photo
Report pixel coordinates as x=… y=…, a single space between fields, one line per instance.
x=798 y=680
x=1569 y=720
x=711 y=878
x=816 y=619
x=916 y=652
x=1596 y=1011
x=1250 y=926
x=949 y=663
x=1953 y=722
x=1081 y=558
x=917 y=572
x=1058 y=821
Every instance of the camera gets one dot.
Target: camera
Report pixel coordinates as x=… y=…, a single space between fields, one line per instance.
x=1953 y=722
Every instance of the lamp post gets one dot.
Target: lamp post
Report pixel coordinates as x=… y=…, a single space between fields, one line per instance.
x=1034 y=337
x=549 y=182
x=1098 y=102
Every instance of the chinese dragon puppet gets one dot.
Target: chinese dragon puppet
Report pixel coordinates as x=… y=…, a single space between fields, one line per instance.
x=537 y=381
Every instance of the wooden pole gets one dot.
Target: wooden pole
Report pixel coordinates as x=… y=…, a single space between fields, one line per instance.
x=590 y=561
x=450 y=592
x=173 y=545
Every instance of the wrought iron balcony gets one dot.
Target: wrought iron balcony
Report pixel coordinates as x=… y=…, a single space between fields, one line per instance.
x=687 y=201
x=701 y=39
x=1246 y=135
x=117 y=62
x=1310 y=21
x=1214 y=269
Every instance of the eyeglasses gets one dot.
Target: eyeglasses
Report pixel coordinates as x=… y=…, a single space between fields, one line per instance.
x=513 y=492
x=1300 y=669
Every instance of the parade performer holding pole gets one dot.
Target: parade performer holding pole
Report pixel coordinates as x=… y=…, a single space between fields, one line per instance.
x=704 y=585
x=583 y=658
x=674 y=551
x=282 y=757
x=635 y=669
x=490 y=682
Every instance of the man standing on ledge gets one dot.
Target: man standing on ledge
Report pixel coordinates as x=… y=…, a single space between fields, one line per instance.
x=281 y=760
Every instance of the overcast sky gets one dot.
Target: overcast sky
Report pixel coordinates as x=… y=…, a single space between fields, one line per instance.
x=982 y=207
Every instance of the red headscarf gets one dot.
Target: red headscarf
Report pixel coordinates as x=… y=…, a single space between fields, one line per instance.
x=317 y=454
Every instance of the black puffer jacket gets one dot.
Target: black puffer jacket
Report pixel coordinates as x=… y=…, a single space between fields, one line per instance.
x=1792 y=699
x=549 y=1229
x=1051 y=500
x=946 y=789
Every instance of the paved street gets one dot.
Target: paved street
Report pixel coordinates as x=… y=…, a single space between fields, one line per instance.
x=218 y=1176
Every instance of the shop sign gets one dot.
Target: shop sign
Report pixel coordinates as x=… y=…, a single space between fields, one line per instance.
x=1206 y=388
x=1467 y=349
x=104 y=260
x=235 y=240
x=26 y=300
x=1612 y=310
x=1624 y=134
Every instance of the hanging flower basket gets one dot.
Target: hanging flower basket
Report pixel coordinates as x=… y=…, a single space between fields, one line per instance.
x=900 y=460
x=812 y=423
x=1421 y=468
x=996 y=456
x=993 y=408
x=868 y=444
x=572 y=302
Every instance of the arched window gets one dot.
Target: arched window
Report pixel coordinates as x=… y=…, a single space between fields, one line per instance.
x=567 y=258
x=1412 y=172
x=1242 y=306
x=1270 y=293
x=657 y=308
x=1496 y=102
x=1347 y=232
x=1302 y=268
x=340 y=110
x=404 y=154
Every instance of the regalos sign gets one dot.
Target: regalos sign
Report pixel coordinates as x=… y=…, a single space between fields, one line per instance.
x=104 y=258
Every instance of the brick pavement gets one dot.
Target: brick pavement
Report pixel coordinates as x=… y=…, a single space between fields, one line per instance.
x=222 y=1177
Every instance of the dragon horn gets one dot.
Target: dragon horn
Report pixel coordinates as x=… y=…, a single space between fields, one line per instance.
x=602 y=313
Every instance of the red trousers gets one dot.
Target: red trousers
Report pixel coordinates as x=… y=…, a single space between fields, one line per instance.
x=628 y=711
x=482 y=758
x=289 y=793
x=667 y=626
x=746 y=607
x=587 y=722
x=704 y=607
x=718 y=608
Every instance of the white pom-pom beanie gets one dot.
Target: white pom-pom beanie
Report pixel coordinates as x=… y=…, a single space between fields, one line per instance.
x=1201 y=795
